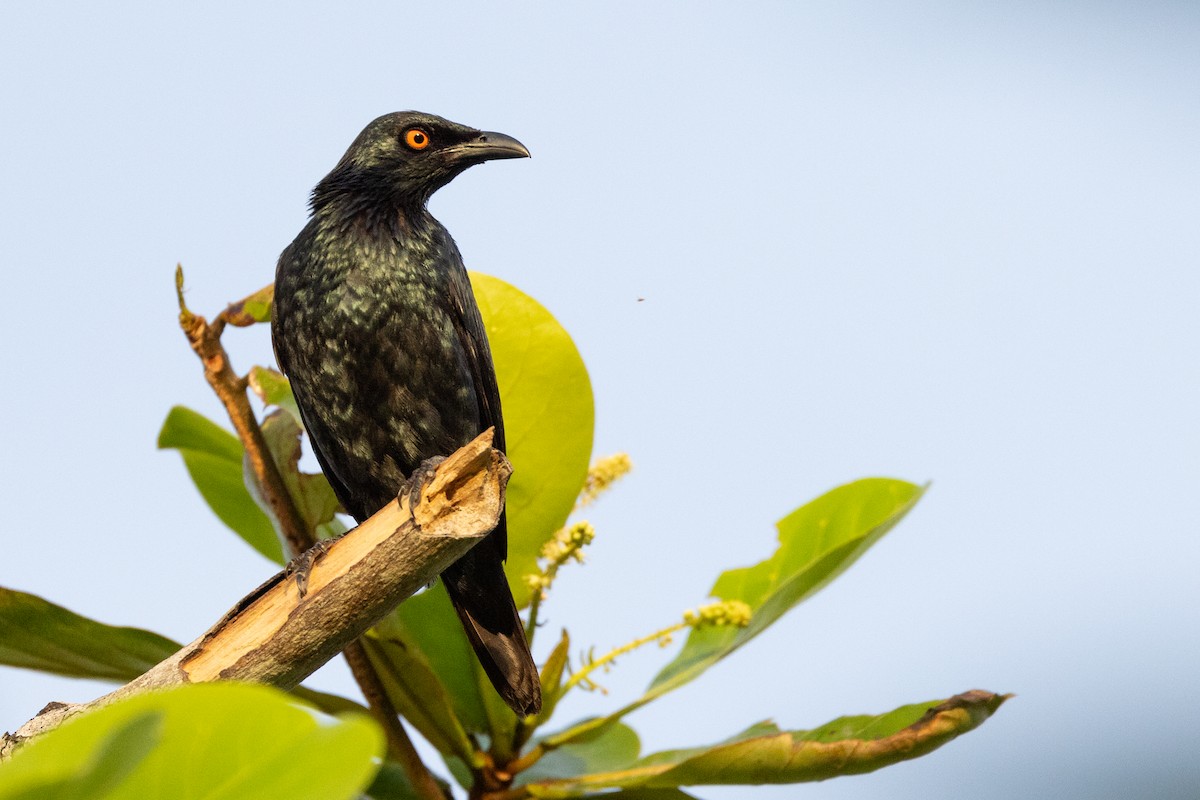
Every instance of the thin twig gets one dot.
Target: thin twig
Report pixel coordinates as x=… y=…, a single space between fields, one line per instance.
x=522 y=763
x=400 y=748
x=519 y=793
x=230 y=388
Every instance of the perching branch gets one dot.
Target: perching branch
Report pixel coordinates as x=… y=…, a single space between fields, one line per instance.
x=276 y=636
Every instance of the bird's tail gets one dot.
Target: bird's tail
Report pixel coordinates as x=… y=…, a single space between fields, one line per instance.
x=480 y=594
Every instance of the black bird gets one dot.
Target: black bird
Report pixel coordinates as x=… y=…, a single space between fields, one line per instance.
x=376 y=326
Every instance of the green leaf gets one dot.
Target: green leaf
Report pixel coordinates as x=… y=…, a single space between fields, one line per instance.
x=846 y=746
x=216 y=741
x=460 y=772
x=552 y=675
x=391 y=783
x=254 y=308
x=213 y=457
x=758 y=729
x=114 y=757
x=311 y=493
x=615 y=747
x=817 y=542
x=426 y=623
x=548 y=419
x=502 y=721
x=37 y=634
x=416 y=691
x=274 y=390
x=646 y=794
x=332 y=704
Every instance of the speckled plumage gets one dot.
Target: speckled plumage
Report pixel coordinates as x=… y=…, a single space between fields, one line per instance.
x=377 y=328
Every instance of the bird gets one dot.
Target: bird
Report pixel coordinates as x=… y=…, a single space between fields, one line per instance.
x=376 y=326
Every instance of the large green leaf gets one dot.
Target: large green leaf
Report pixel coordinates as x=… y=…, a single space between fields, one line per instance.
x=548 y=418
x=817 y=542
x=758 y=729
x=114 y=757
x=218 y=741
x=612 y=748
x=213 y=457
x=37 y=634
x=845 y=746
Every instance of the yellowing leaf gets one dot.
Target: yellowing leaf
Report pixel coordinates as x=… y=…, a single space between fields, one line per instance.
x=548 y=418
x=762 y=755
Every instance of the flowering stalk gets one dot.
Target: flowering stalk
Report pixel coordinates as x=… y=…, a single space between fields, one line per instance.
x=713 y=615
x=718 y=614
x=568 y=542
x=566 y=545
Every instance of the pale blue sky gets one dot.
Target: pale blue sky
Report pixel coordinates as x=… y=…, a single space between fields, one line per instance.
x=937 y=241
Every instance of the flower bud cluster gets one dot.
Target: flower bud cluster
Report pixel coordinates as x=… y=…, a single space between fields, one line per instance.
x=568 y=543
x=603 y=474
x=719 y=614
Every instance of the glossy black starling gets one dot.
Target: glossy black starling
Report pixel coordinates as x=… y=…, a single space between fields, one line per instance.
x=376 y=326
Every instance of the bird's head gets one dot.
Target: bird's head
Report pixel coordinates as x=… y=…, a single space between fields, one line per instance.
x=401 y=159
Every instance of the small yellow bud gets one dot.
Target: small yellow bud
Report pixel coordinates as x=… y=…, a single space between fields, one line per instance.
x=581 y=533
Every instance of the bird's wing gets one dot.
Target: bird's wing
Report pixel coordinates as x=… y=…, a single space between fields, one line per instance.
x=279 y=342
x=468 y=325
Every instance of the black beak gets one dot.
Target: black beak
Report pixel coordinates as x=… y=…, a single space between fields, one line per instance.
x=487 y=146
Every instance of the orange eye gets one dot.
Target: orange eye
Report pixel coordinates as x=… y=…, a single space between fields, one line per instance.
x=416 y=138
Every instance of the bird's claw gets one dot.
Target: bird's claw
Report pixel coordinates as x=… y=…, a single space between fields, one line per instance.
x=416 y=483
x=301 y=566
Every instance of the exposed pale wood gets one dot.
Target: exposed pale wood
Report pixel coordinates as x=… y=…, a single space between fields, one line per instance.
x=275 y=636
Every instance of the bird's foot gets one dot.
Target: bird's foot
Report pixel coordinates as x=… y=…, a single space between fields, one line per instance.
x=301 y=566
x=410 y=492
